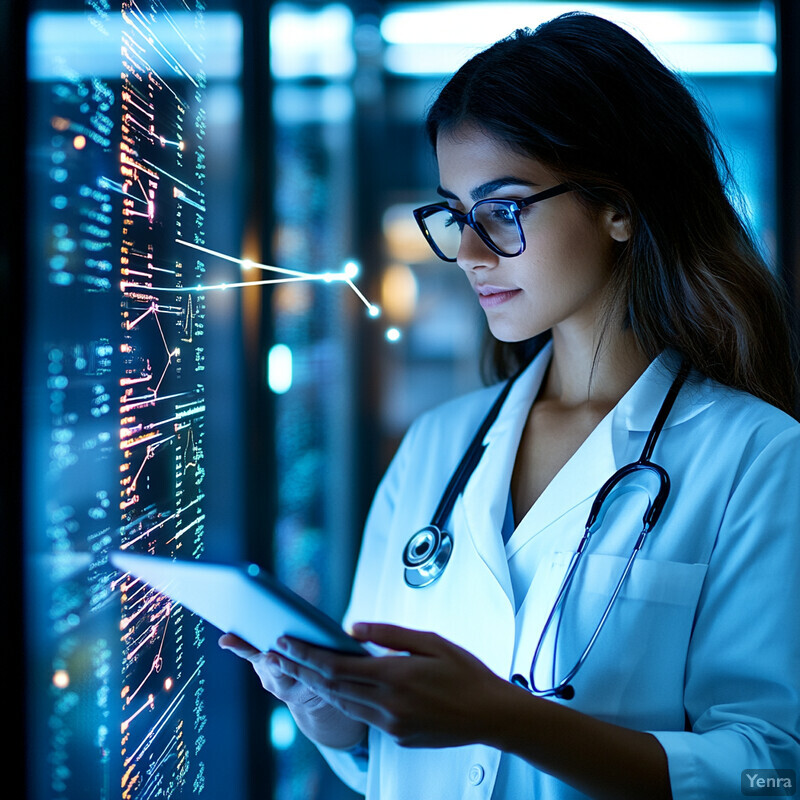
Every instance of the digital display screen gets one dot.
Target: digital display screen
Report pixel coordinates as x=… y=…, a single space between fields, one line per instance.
x=114 y=396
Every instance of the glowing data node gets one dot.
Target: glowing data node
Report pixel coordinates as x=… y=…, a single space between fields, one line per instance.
x=374 y=311
x=351 y=270
x=393 y=335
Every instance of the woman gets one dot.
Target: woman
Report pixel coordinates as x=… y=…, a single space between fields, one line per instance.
x=608 y=261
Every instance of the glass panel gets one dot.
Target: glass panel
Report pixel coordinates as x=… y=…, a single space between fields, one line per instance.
x=120 y=447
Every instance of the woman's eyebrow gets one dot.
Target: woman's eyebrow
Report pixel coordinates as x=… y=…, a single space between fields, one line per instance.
x=489 y=188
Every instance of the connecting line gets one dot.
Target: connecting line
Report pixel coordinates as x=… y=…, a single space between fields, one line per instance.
x=373 y=310
x=246 y=263
x=210 y=287
x=291 y=275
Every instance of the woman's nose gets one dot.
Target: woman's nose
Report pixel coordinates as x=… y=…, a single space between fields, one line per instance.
x=473 y=253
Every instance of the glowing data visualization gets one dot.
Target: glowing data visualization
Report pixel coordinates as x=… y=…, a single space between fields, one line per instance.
x=115 y=387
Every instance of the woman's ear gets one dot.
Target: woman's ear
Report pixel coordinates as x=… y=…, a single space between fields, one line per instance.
x=617 y=224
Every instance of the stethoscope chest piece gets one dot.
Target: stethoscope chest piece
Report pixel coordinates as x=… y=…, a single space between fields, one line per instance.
x=426 y=555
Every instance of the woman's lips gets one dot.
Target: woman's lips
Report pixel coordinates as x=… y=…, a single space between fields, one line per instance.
x=491 y=296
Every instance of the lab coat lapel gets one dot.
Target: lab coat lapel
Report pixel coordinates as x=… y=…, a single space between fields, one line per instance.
x=612 y=444
x=485 y=496
x=616 y=441
x=580 y=478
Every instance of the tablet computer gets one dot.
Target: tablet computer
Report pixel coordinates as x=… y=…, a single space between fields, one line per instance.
x=244 y=600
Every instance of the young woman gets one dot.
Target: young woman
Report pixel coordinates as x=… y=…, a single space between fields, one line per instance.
x=582 y=197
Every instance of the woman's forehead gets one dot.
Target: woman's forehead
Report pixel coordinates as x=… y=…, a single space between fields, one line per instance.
x=469 y=158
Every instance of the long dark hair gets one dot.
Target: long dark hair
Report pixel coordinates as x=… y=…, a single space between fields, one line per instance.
x=592 y=104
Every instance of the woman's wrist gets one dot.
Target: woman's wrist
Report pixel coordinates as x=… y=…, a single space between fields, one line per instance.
x=616 y=762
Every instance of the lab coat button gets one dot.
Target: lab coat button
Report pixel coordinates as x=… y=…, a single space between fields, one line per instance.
x=476 y=773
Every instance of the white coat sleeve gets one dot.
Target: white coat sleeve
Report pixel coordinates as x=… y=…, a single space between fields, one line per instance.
x=742 y=684
x=351 y=765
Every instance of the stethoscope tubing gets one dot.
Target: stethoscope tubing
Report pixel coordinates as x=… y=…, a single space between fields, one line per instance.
x=559 y=689
x=562 y=688
x=428 y=551
x=469 y=460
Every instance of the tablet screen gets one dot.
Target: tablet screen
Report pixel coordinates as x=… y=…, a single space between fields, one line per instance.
x=246 y=601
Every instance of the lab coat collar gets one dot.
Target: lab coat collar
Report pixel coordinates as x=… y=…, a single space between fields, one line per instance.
x=514 y=412
x=637 y=410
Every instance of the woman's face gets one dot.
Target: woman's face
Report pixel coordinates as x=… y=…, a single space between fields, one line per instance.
x=558 y=281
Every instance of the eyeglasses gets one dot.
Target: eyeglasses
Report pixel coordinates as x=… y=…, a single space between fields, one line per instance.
x=497 y=223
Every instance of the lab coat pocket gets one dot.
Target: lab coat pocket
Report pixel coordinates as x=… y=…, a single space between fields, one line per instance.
x=634 y=673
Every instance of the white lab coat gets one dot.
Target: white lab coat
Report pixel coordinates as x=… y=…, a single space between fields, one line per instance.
x=706 y=631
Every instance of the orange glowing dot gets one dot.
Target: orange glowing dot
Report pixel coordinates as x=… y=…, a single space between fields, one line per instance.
x=168 y=684
x=61 y=679
x=79 y=142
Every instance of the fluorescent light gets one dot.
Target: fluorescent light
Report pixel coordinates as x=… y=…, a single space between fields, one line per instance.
x=300 y=105
x=311 y=43
x=282 y=728
x=279 y=369
x=436 y=38
x=426 y=59
x=718 y=58
x=67 y=39
x=688 y=57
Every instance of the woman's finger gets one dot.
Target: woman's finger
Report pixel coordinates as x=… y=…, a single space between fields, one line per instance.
x=237 y=645
x=399 y=639
x=357 y=700
x=332 y=665
x=322 y=672
x=266 y=665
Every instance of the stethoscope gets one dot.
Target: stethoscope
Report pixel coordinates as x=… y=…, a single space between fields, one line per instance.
x=428 y=551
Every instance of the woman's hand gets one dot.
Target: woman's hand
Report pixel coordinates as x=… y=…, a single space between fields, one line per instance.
x=317 y=718
x=431 y=694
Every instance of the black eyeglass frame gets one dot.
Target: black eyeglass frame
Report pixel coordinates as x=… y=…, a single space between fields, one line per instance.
x=514 y=206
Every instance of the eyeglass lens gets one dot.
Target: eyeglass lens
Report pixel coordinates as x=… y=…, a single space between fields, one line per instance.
x=496 y=221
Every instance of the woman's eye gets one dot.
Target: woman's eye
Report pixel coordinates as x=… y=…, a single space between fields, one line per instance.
x=503 y=215
x=452 y=220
